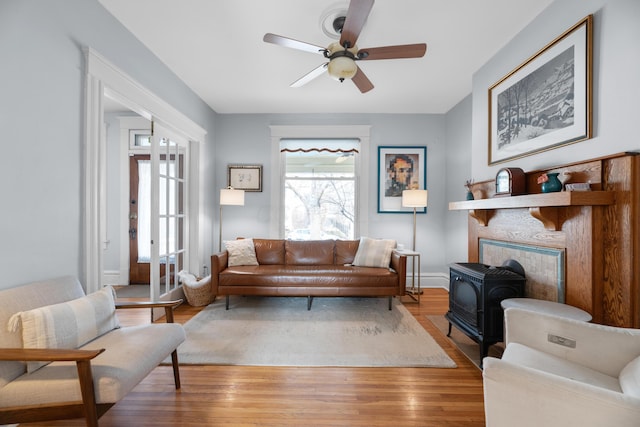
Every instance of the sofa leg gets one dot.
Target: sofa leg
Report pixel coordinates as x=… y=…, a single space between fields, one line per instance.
x=227 y=302
x=309 y=301
x=390 y=303
x=176 y=368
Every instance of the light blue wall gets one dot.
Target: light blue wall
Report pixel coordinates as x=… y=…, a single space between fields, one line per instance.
x=616 y=87
x=458 y=164
x=42 y=121
x=242 y=138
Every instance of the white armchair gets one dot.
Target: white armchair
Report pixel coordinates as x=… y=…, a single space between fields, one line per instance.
x=562 y=372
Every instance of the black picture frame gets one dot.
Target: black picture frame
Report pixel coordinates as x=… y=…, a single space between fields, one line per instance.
x=245 y=177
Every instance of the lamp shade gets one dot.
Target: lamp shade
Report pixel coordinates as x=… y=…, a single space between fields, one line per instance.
x=414 y=198
x=231 y=196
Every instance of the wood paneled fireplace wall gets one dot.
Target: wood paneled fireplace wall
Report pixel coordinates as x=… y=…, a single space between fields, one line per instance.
x=596 y=233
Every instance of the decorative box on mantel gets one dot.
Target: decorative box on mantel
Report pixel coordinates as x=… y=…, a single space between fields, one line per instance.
x=599 y=231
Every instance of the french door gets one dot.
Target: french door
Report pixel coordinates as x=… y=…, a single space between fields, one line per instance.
x=169 y=202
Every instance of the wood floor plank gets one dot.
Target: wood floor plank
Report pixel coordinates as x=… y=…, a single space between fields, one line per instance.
x=305 y=396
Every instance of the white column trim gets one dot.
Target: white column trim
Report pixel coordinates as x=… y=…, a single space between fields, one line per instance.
x=102 y=77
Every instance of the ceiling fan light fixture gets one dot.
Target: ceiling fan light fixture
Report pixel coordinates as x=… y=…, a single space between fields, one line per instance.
x=342 y=68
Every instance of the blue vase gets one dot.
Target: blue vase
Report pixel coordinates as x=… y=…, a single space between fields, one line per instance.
x=552 y=185
x=469 y=195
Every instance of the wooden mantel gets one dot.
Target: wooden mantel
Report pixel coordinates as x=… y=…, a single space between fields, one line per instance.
x=599 y=232
x=543 y=207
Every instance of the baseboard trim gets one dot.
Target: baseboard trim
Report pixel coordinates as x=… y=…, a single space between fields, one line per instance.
x=112 y=277
x=431 y=280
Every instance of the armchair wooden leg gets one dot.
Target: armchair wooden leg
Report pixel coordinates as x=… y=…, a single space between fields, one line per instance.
x=176 y=368
x=88 y=392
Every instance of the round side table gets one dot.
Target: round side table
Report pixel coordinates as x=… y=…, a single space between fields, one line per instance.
x=547 y=307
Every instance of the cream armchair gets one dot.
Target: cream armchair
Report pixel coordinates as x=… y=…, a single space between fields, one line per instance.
x=64 y=355
x=562 y=372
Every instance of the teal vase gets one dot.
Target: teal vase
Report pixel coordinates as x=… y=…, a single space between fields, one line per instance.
x=469 y=195
x=552 y=185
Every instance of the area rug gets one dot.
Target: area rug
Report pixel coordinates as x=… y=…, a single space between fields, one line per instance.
x=465 y=344
x=280 y=331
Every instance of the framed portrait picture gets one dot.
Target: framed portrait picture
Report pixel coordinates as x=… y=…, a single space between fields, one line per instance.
x=245 y=177
x=400 y=168
x=546 y=102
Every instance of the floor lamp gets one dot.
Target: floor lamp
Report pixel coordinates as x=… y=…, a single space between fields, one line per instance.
x=414 y=199
x=229 y=197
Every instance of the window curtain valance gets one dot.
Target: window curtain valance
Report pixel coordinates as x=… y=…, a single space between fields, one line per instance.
x=319 y=145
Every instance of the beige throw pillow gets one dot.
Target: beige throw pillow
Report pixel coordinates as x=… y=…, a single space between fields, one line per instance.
x=374 y=252
x=69 y=324
x=241 y=252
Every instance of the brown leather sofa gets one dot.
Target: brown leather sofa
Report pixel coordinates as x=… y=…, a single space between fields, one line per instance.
x=307 y=268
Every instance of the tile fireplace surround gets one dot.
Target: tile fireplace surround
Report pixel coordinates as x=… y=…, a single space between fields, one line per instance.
x=576 y=247
x=544 y=267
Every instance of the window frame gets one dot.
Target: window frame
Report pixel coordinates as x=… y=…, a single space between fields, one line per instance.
x=361 y=132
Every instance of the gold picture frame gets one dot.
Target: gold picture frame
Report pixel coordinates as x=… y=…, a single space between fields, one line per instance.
x=546 y=102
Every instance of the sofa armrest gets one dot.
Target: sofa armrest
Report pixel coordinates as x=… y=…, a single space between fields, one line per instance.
x=167 y=305
x=606 y=349
x=514 y=395
x=47 y=354
x=399 y=264
x=219 y=262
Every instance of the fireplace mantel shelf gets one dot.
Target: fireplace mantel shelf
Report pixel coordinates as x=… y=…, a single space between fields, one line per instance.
x=543 y=206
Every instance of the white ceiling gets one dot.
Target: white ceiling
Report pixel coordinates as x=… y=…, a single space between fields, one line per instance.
x=216 y=48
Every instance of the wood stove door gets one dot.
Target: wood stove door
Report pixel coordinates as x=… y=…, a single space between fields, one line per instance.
x=464 y=298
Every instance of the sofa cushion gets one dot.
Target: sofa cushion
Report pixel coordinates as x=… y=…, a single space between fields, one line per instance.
x=346 y=251
x=27 y=297
x=131 y=353
x=269 y=251
x=630 y=378
x=66 y=325
x=374 y=252
x=309 y=252
x=341 y=279
x=241 y=252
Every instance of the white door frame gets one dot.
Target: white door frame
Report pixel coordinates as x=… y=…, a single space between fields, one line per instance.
x=103 y=77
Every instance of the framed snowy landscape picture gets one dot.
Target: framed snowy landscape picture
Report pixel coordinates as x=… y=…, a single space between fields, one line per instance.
x=546 y=102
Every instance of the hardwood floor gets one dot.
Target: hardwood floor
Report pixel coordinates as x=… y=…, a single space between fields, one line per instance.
x=293 y=396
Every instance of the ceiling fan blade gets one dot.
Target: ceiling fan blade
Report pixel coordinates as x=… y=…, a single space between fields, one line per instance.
x=362 y=81
x=292 y=43
x=394 y=52
x=310 y=75
x=357 y=15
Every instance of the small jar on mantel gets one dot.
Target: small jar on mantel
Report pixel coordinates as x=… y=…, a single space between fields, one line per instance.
x=550 y=182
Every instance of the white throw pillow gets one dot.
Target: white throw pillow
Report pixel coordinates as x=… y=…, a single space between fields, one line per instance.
x=630 y=378
x=374 y=252
x=241 y=252
x=68 y=325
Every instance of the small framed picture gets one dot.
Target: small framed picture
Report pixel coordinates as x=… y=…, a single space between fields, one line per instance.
x=400 y=168
x=245 y=177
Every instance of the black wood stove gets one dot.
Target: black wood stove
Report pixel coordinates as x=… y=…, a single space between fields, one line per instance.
x=475 y=293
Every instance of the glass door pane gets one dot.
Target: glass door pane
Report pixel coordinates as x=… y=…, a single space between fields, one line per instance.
x=169 y=153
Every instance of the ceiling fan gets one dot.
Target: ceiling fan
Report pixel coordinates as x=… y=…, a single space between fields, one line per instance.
x=343 y=55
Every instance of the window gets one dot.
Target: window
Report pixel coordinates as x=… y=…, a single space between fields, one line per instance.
x=312 y=135
x=319 y=186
